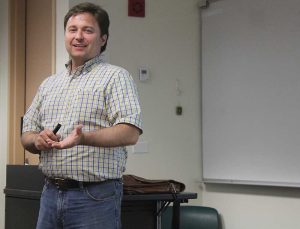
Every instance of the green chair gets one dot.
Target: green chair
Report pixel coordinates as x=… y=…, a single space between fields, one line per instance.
x=192 y=217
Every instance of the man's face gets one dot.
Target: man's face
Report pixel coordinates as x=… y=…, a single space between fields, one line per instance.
x=83 y=38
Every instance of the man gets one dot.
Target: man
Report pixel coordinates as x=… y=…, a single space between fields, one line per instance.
x=97 y=106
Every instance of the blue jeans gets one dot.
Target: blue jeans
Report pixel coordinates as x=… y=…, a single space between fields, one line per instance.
x=97 y=206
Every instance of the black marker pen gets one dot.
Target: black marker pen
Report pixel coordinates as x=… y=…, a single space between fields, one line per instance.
x=56 y=128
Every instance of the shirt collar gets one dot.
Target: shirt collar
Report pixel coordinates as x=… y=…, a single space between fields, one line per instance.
x=86 y=67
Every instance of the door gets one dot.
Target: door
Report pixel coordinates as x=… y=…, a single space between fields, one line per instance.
x=32 y=32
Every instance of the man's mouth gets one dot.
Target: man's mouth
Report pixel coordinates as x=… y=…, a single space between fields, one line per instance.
x=79 y=45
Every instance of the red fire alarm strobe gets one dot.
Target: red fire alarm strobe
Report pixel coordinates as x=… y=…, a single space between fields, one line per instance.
x=136 y=8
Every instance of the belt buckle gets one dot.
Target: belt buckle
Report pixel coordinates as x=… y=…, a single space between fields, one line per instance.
x=59 y=183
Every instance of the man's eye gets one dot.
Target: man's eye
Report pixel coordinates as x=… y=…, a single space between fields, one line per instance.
x=72 y=30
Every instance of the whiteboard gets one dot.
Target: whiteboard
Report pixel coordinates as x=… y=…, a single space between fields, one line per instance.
x=251 y=92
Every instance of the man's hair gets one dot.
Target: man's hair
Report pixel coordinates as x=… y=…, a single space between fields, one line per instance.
x=100 y=15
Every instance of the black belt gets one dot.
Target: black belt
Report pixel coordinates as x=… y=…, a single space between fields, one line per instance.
x=65 y=184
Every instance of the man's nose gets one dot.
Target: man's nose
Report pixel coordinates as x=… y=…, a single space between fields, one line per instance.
x=79 y=35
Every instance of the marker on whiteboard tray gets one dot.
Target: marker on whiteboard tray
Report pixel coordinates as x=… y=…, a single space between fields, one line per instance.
x=56 y=128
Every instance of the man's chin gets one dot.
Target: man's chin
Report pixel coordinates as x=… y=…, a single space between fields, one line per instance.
x=78 y=57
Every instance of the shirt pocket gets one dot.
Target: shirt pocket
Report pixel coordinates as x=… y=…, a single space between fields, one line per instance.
x=89 y=105
x=51 y=107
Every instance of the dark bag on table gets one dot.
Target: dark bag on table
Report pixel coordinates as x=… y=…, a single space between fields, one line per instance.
x=138 y=185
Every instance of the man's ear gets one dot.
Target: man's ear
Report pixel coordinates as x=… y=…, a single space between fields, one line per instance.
x=103 y=39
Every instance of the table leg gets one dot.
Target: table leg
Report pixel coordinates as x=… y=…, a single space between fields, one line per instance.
x=176 y=215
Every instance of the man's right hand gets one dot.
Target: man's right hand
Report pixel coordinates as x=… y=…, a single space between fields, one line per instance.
x=36 y=142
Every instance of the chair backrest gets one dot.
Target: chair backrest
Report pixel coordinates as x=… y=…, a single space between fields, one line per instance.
x=193 y=217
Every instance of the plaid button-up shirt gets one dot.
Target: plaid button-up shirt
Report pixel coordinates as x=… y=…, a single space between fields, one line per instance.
x=97 y=95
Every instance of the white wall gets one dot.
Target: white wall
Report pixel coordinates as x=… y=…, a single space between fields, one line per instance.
x=167 y=40
x=3 y=102
x=254 y=207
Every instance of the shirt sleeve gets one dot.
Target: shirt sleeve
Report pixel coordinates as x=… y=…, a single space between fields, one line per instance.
x=122 y=100
x=31 y=119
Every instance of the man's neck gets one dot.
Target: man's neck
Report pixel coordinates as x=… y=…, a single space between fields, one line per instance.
x=75 y=65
